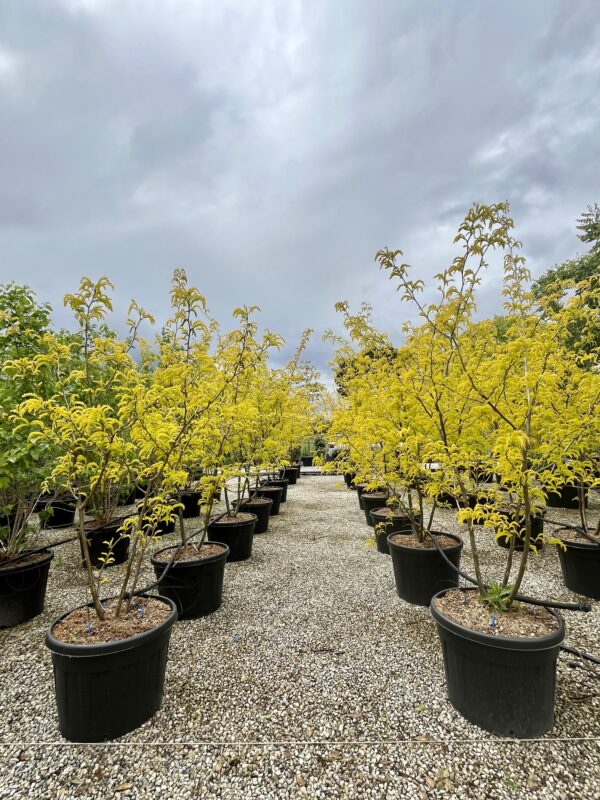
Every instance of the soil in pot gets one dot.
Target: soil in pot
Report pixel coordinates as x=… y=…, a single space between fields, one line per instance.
x=500 y=667
x=98 y=535
x=236 y=531
x=537 y=531
x=579 y=563
x=272 y=493
x=420 y=570
x=387 y=521
x=371 y=501
x=567 y=497
x=261 y=508
x=109 y=676
x=23 y=588
x=194 y=581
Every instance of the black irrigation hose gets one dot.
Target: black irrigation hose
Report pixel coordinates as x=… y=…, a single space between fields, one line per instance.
x=520 y=597
x=580 y=654
x=38 y=550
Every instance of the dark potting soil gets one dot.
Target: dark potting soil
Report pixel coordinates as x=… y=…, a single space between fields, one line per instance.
x=29 y=558
x=521 y=621
x=233 y=519
x=570 y=535
x=410 y=540
x=73 y=629
x=191 y=552
x=257 y=501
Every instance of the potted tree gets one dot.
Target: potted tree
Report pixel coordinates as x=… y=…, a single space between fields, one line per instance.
x=114 y=646
x=500 y=654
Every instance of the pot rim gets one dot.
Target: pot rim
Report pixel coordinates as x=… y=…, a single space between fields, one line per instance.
x=194 y=562
x=458 y=546
x=522 y=643
x=109 y=648
x=48 y=556
x=590 y=546
x=232 y=525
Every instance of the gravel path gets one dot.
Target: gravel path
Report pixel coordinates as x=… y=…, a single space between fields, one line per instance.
x=312 y=681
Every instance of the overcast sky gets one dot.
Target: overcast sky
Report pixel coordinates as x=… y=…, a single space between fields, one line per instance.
x=271 y=148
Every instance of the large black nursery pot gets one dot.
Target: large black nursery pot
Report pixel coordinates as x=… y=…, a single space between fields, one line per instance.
x=291 y=474
x=537 y=530
x=307 y=461
x=162 y=528
x=195 y=585
x=580 y=565
x=23 y=588
x=360 y=488
x=502 y=684
x=190 y=499
x=420 y=573
x=283 y=484
x=567 y=497
x=349 y=479
x=59 y=512
x=386 y=524
x=372 y=501
x=273 y=493
x=106 y=690
x=236 y=535
x=261 y=508
x=98 y=535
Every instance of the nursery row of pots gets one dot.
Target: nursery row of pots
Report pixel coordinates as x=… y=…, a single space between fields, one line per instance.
x=503 y=684
x=105 y=689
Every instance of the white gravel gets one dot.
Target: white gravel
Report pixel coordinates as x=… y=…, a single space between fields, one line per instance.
x=314 y=680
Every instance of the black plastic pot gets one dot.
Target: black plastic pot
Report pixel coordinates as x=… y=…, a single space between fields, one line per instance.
x=360 y=488
x=421 y=573
x=195 y=586
x=190 y=499
x=371 y=501
x=261 y=508
x=537 y=529
x=385 y=525
x=349 y=479
x=580 y=565
x=307 y=461
x=98 y=535
x=281 y=482
x=106 y=690
x=23 y=590
x=58 y=512
x=503 y=685
x=291 y=474
x=163 y=527
x=273 y=493
x=237 y=536
x=567 y=497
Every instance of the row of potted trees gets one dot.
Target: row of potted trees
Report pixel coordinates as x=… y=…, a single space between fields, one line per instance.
x=497 y=419
x=94 y=422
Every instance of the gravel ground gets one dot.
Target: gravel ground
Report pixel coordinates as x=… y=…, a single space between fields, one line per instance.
x=314 y=680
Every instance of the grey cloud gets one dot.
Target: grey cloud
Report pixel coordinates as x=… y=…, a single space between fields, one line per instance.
x=272 y=148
